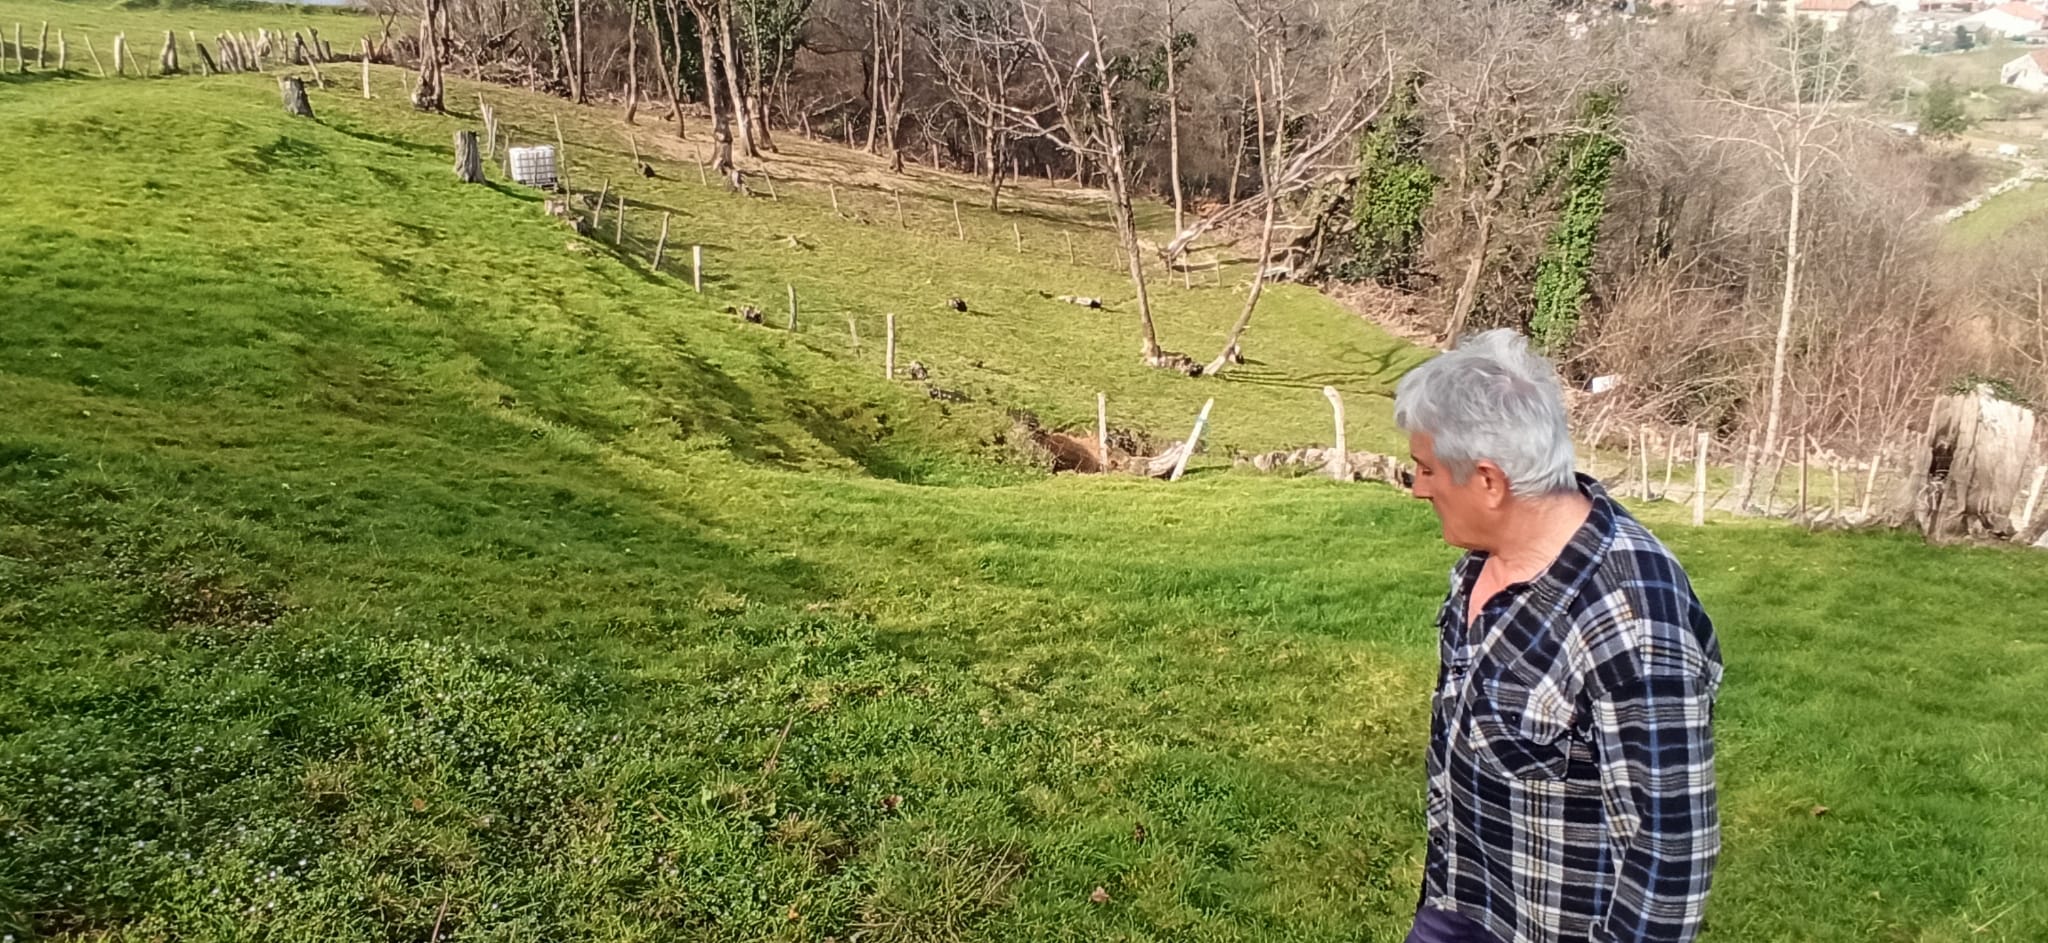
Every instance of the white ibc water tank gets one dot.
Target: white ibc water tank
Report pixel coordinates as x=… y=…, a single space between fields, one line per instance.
x=533 y=166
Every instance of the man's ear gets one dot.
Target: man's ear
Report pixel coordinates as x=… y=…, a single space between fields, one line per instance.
x=1493 y=484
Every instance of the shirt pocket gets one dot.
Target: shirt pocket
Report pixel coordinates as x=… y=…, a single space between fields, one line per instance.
x=1520 y=732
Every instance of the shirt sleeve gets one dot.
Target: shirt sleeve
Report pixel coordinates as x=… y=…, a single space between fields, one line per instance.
x=1655 y=740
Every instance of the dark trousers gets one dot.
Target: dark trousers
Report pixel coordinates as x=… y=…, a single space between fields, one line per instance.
x=1442 y=926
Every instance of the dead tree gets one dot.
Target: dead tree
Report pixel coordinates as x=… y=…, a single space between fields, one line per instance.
x=294 y=92
x=433 y=48
x=1971 y=470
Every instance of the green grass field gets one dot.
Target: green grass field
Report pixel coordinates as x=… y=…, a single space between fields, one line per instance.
x=380 y=562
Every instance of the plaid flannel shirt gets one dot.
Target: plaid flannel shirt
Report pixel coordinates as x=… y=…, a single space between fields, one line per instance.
x=1571 y=755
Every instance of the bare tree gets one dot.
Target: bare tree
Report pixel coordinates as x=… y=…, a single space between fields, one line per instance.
x=975 y=57
x=1292 y=52
x=887 y=33
x=1173 y=48
x=1792 y=118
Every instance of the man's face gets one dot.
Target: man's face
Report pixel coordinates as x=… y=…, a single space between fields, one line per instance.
x=1465 y=509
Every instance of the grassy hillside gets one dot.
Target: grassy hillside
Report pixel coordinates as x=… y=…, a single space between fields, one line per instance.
x=378 y=561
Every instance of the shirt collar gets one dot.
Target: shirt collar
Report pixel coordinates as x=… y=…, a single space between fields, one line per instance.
x=1581 y=557
x=1578 y=560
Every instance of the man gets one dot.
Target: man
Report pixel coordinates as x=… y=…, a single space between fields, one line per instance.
x=1571 y=748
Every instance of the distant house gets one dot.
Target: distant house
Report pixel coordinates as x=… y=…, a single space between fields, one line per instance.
x=1830 y=14
x=2012 y=20
x=2027 y=73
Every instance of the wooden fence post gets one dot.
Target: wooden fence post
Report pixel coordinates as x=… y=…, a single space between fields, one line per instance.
x=120 y=48
x=661 y=243
x=206 y=66
x=491 y=131
x=619 y=220
x=1017 y=234
x=42 y=45
x=1835 y=493
x=853 y=332
x=1777 y=468
x=959 y=231
x=102 y=69
x=1805 y=448
x=1339 y=464
x=63 y=52
x=1670 y=459
x=889 y=358
x=834 y=189
x=1745 y=480
x=1194 y=439
x=899 y=209
x=131 y=59
x=1699 y=481
x=772 y=195
x=561 y=156
x=1870 y=483
x=597 y=213
x=1102 y=432
x=1070 y=245
x=1643 y=459
x=792 y=306
x=20 y=53
x=697 y=268
x=2026 y=521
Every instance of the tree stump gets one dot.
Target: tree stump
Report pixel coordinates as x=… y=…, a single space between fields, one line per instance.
x=469 y=163
x=1969 y=473
x=294 y=92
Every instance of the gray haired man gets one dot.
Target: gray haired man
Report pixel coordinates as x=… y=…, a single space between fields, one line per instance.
x=1571 y=748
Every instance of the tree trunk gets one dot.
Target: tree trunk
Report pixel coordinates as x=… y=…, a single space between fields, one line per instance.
x=1180 y=218
x=735 y=96
x=1468 y=288
x=1970 y=472
x=1236 y=161
x=433 y=30
x=671 y=67
x=874 y=74
x=576 y=51
x=294 y=92
x=1231 y=353
x=469 y=164
x=991 y=135
x=1788 y=297
x=756 y=95
x=632 y=60
x=721 y=128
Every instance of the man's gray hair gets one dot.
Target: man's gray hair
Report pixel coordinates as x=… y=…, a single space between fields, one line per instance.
x=1491 y=399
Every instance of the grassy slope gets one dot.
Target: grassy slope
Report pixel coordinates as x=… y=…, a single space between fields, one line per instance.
x=359 y=579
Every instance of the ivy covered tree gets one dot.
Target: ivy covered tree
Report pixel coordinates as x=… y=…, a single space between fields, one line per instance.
x=1395 y=186
x=1564 y=270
